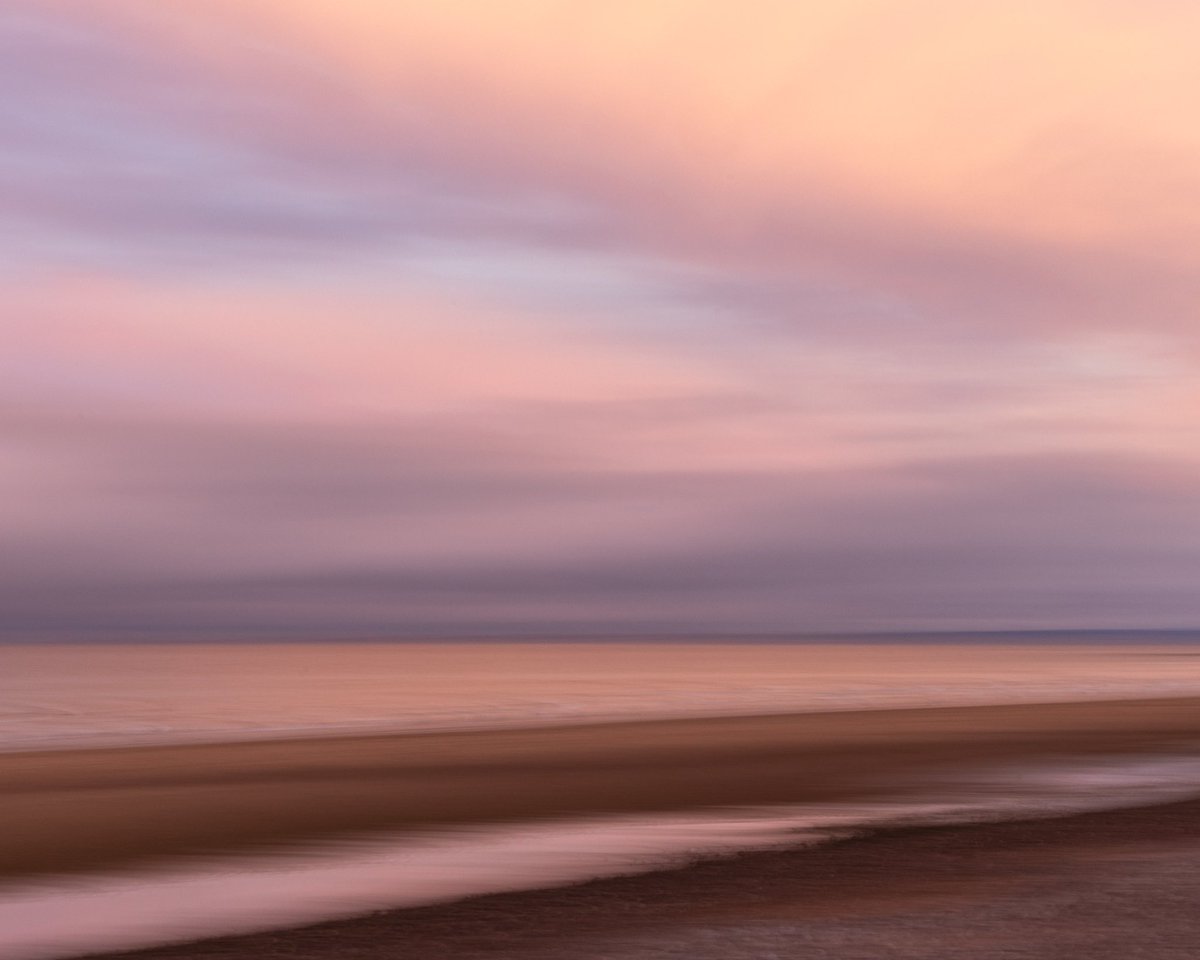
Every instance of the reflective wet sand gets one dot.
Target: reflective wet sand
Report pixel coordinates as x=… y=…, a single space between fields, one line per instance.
x=81 y=809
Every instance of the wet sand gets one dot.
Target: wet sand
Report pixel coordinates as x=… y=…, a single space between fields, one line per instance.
x=1102 y=886
x=86 y=809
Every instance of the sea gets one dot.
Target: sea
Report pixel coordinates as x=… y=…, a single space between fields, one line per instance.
x=71 y=696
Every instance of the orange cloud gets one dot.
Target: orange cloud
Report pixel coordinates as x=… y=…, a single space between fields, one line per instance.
x=945 y=109
x=1034 y=161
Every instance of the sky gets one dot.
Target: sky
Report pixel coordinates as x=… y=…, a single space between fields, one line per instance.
x=348 y=318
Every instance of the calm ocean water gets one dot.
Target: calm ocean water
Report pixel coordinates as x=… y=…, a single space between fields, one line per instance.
x=58 y=695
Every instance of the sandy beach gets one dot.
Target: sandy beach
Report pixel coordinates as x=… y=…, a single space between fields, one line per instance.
x=1101 y=886
x=1093 y=885
x=88 y=809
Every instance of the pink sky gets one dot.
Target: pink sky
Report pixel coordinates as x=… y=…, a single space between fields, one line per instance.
x=378 y=317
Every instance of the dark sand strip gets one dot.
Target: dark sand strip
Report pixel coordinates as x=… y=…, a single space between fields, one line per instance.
x=1116 y=885
x=87 y=809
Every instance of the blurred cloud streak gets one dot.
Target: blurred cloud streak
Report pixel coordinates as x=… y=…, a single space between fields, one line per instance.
x=466 y=317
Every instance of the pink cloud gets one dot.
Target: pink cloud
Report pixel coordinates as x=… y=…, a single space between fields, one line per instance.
x=985 y=165
x=888 y=308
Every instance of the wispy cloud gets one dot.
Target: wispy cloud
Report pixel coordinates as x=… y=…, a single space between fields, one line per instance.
x=406 y=316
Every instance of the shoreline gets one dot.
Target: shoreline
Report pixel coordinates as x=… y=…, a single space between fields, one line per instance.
x=1104 y=885
x=331 y=731
x=236 y=693
x=78 y=810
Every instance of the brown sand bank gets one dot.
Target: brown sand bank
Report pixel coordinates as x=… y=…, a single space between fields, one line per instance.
x=1115 y=885
x=79 y=809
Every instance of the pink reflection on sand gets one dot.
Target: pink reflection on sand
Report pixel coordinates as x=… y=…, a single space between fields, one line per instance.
x=76 y=916
x=73 y=916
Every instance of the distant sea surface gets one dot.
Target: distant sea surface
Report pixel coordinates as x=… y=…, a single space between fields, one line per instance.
x=59 y=695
